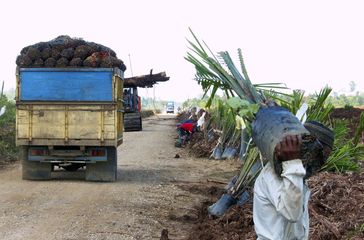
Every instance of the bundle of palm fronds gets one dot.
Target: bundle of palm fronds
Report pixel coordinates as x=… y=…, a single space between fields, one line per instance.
x=222 y=121
x=215 y=73
x=232 y=146
x=248 y=172
x=347 y=151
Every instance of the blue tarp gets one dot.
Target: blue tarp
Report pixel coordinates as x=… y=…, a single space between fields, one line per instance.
x=66 y=85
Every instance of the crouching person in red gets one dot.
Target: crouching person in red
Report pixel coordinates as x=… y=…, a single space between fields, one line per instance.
x=185 y=131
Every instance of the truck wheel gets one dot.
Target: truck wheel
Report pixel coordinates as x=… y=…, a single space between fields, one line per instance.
x=34 y=170
x=103 y=171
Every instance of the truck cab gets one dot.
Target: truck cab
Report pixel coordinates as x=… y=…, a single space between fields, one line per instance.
x=132 y=101
x=132 y=109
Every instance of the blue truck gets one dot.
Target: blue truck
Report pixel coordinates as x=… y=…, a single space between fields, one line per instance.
x=69 y=118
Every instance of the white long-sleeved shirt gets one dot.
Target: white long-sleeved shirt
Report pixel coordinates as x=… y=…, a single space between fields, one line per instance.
x=280 y=207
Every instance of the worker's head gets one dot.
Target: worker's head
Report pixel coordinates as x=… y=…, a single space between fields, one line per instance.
x=324 y=134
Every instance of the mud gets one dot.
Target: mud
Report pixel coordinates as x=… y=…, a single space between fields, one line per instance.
x=336 y=211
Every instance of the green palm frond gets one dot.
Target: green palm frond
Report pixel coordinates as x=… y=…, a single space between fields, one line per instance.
x=215 y=72
x=346 y=153
x=220 y=72
x=247 y=173
x=345 y=158
x=244 y=85
x=359 y=129
x=318 y=110
x=295 y=101
x=242 y=65
x=271 y=86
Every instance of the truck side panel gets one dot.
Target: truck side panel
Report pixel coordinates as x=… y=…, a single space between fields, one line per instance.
x=66 y=122
x=50 y=112
x=51 y=85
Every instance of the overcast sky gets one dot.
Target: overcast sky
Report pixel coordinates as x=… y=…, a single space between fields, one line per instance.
x=305 y=44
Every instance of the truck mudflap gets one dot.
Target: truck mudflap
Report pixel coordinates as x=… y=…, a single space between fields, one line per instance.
x=103 y=171
x=34 y=170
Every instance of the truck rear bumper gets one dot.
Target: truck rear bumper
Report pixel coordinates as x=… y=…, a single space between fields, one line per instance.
x=88 y=155
x=69 y=142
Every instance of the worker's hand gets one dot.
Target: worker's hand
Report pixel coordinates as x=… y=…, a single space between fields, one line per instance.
x=289 y=148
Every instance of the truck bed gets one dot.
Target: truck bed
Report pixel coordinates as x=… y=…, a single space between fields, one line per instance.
x=80 y=107
x=66 y=124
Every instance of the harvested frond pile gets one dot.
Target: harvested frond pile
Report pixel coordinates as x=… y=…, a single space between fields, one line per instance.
x=336 y=206
x=200 y=146
x=336 y=212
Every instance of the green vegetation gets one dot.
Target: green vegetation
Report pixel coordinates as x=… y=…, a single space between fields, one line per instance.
x=8 y=150
x=196 y=102
x=342 y=100
x=346 y=153
x=215 y=73
x=149 y=103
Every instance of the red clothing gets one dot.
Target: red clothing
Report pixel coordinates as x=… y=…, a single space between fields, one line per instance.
x=187 y=126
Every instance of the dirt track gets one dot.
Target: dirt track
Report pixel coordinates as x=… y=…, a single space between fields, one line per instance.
x=151 y=194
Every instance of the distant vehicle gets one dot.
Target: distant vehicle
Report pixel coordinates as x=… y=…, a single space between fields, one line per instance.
x=170 y=107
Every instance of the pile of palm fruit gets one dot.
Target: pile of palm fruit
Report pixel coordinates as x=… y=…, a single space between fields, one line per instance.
x=65 y=51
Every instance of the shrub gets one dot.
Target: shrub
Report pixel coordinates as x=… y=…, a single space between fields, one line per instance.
x=146 y=113
x=8 y=150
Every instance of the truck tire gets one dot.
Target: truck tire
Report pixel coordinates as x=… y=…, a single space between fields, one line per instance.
x=103 y=171
x=34 y=170
x=132 y=122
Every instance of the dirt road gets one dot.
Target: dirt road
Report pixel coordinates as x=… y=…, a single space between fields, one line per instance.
x=152 y=193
